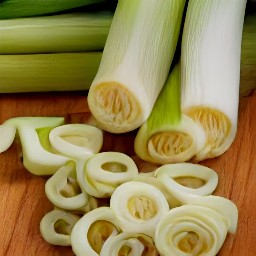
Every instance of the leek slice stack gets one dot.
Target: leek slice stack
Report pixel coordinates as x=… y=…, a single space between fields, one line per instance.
x=135 y=62
x=210 y=70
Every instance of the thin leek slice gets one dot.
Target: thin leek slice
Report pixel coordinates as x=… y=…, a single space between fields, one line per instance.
x=63 y=190
x=76 y=140
x=56 y=226
x=210 y=70
x=135 y=62
x=138 y=207
x=190 y=230
x=184 y=179
x=168 y=136
x=92 y=230
x=102 y=173
x=7 y=136
x=37 y=159
x=129 y=244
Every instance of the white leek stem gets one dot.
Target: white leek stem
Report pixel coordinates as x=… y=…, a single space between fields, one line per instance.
x=138 y=207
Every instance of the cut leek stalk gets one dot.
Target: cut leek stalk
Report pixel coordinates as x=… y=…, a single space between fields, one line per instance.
x=210 y=70
x=24 y=8
x=77 y=141
x=248 y=55
x=168 y=136
x=48 y=72
x=184 y=179
x=190 y=230
x=56 y=227
x=74 y=32
x=63 y=190
x=36 y=158
x=138 y=207
x=102 y=173
x=92 y=230
x=129 y=244
x=135 y=62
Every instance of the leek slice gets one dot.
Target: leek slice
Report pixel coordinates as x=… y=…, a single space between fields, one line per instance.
x=184 y=179
x=73 y=32
x=102 y=173
x=56 y=227
x=37 y=159
x=138 y=207
x=190 y=230
x=63 y=190
x=92 y=230
x=10 y=9
x=7 y=136
x=135 y=62
x=76 y=140
x=168 y=136
x=48 y=72
x=129 y=244
x=210 y=70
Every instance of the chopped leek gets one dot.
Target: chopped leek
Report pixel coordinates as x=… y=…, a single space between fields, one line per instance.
x=190 y=230
x=168 y=136
x=210 y=70
x=73 y=32
x=138 y=207
x=136 y=60
x=24 y=8
x=48 y=72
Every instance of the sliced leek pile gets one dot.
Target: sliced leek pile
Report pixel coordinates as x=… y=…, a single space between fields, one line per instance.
x=52 y=45
x=103 y=205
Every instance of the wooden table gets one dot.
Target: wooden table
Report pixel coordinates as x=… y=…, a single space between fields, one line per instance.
x=23 y=201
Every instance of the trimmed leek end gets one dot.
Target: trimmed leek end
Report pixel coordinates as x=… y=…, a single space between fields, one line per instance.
x=169 y=136
x=135 y=62
x=56 y=227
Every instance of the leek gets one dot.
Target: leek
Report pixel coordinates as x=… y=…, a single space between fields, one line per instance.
x=24 y=8
x=56 y=227
x=168 y=136
x=138 y=207
x=48 y=72
x=210 y=70
x=135 y=63
x=190 y=230
x=74 y=32
x=248 y=55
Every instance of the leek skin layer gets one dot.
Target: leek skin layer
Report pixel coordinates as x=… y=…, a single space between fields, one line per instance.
x=248 y=56
x=48 y=72
x=210 y=70
x=10 y=9
x=73 y=32
x=135 y=64
x=168 y=136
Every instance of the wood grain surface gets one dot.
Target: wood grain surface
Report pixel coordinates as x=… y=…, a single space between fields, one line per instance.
x=23 y=202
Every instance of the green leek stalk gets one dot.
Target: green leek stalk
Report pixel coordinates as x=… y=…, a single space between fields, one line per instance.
x=135 y=63
x=168 y=136
x=248 y=55
x=48 y=72
x=73 y=32
x=10 y=9
x=210 y=70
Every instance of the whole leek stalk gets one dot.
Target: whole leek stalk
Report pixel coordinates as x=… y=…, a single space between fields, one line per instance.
x=73 y=32
x=248 y=55
x=168 y=136
x=25 y=8
x=48 y=72
x=135 y=62
x=210 y=70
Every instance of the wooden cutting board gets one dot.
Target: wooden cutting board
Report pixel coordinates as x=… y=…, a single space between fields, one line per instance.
x=23 y=202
